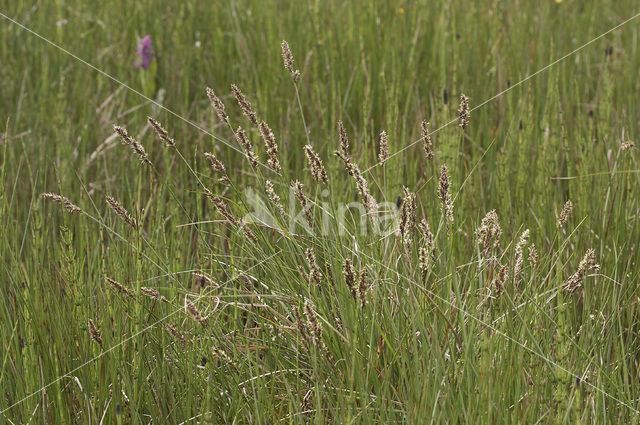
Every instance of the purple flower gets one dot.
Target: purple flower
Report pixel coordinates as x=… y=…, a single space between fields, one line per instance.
x=145 y=52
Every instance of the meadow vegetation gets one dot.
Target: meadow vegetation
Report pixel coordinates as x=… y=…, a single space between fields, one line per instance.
x=390 y=217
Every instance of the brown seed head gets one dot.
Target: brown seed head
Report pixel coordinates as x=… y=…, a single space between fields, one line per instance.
x=304 y=202
x=247 y=232
x=174 y=333
x=588 y=262
x=217 y=105
x=499 y=281
x=427 y=144
x=221 y=206
x=272 y=147
x=464 y=112
x=204 y=281
x=488 y=232
x=363 y=187
x=273 y=196
x=287 y=57
x=245 y=105
x=445 y=195
x=533 y=256
x=218 y=167
x=407 y=216
x=118 y=287
x=315 y=163
x=343 y=153
x=627 y=145
x=153 y=293
x=66 y=203
x=161 y=132
x=300 y=325
x=133 y=144
x=94 y=333
x=194 y=312
x=383 y=155
x=564 y=214
x=350 y=277
x=242 y=138
x=313 y=324
x=363 y=286
x=121 y=212
x=314 y=276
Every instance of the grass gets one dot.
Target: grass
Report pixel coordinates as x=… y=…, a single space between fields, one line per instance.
x=267 y=328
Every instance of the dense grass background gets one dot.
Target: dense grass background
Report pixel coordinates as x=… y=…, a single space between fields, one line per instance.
x=421 y=350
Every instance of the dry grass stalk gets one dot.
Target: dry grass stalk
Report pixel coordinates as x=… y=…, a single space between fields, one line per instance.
x=66 y=203
x=95 y=333
x=193 y=311
x=350 y=277
x=174 y=333
x=133 y=144
x=118 y=287
x=121 y=212
x=445 y=195
x=565 y=213
x=217 y=105
x=245 y=105
x=273 y=196
x=153 y=293
x=271 y=145
x=488 y=232
x=315 y=163
x=383 y=155
x=161 y=132
x=407 y=216
x=313 y=324
x=242 y=138
x=464 y=112
x=287 y=57
x=304 y=202
x=315 y=276
x=588 y=262
x=427 y=144
x=519 y=257
x=218 y=167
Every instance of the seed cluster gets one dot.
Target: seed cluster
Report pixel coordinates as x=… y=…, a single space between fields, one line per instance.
x=66 y=203
x=463 y=111
x=135 y=146
x=287 y=57
x=445 y=195
x=427 y=143
x=315 y=163
x=161 y=132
